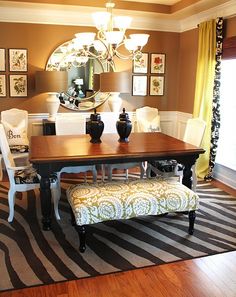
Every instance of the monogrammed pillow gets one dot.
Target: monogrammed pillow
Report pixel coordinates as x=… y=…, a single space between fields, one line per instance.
x=16 y=135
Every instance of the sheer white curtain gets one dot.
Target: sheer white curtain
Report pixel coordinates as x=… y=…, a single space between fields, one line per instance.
x=226 y=152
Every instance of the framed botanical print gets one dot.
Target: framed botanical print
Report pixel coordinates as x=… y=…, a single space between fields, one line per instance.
x=139 y=87
x=2 y=59
x=17 y=59
x=156 y=85
x=18 y=85
x=158 y=63
x=140 y=64
x=3 y=92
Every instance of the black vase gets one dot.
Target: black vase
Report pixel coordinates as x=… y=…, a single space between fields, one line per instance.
x=95 y=127
x=124 y=126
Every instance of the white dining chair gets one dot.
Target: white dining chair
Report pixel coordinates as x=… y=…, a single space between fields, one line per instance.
x=15 y=123
x=70 y=125
x=193 y=134
x=22 y=177
x=148 y=120
x=73 y=125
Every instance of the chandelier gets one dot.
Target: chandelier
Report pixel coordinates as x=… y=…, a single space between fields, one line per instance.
x=110 y=41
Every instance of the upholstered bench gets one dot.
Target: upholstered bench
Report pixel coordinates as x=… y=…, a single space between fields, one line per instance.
x=99 y=202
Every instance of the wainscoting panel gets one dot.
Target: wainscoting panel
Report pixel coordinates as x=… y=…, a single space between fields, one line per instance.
x=172 y=122
x=35 y=124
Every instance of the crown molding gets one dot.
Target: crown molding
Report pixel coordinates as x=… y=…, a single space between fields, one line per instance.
x=225 y=10
x=77 y=16
x=81 y=16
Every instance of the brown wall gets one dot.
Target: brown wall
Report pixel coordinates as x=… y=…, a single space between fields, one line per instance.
x=181 y=59
x=230 y=29
x=41 y=40
x=187 y=70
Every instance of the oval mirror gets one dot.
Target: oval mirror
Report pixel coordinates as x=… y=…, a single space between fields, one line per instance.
x=82 y=93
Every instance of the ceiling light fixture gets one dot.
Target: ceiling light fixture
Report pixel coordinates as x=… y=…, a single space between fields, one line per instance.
x=104 y=45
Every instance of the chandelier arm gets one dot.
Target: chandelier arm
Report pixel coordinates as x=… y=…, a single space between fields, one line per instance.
x=131 y=55
x=101 y=38
x=113 y=65
x=93 y=56
x=122 y=56
x=99 y=58
x=79 y=64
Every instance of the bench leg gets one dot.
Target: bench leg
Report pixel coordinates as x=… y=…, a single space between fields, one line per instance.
x=82 y=236
x=191 y=216
x=81 y=231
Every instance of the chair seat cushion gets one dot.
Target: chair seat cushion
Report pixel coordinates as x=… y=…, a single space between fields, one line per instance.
x=19 y=148
x=27 y=176
x=165 y=165
x=93 y=203
x=30 y=176
x=16 y=149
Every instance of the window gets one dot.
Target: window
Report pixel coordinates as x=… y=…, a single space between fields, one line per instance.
x=226 y=152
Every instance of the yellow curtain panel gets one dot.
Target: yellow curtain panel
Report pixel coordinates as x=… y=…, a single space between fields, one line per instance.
x=204 y=87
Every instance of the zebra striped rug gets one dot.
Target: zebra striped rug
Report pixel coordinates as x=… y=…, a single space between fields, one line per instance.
x=30 y=257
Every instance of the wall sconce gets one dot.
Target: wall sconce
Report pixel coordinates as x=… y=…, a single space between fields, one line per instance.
x=115 y=83
x=52 y=83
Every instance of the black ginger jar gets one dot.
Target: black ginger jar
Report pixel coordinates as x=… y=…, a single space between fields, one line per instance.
x=124 y=126
x=95 y=127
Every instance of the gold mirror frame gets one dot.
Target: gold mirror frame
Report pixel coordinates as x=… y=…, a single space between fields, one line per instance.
x=68 y=99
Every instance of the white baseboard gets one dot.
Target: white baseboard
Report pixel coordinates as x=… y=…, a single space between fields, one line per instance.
x=225 y=175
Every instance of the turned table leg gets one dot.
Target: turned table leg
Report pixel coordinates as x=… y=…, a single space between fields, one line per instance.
x=45 y=197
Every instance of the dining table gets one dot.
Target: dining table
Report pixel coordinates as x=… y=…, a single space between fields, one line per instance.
x=49 y=154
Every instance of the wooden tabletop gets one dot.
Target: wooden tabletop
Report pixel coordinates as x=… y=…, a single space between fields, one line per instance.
x=44 y=149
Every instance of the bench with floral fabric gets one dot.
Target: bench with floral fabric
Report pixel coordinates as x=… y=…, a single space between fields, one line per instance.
x=99 y=202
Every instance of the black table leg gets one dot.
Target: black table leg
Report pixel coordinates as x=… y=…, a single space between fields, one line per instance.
x=187 y=176
x=188 y=162
x=46 y=206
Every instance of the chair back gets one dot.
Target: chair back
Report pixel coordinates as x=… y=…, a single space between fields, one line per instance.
x=194 y=131
x=70 y=125
x=15 y=116
x=6 y=153
x=15 y=122
x=148 y=119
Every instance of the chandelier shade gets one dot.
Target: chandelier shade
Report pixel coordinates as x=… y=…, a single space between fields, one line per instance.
x=122 y=22
x=86 y=38
x=101 y=20
x=114 y=37
x=139 y=39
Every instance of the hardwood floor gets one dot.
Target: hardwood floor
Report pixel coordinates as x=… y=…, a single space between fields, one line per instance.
x=203 y=277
